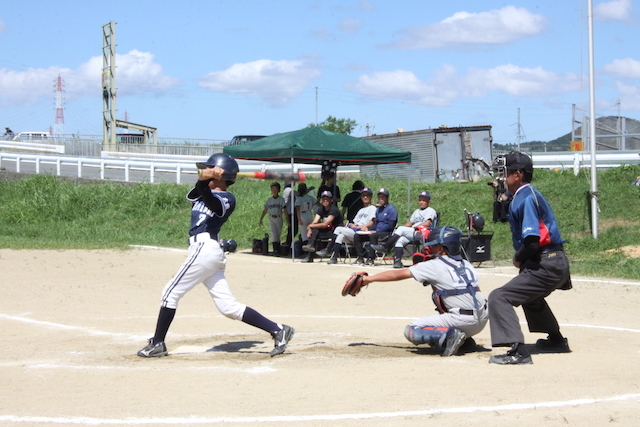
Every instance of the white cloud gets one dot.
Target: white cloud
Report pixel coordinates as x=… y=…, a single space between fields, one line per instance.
x=626 y=68
x=614 y=10
x=3 y=26
x=498 y=26
x=447 y=85
x=350 y=26
x=274 y=82
x=136 y=73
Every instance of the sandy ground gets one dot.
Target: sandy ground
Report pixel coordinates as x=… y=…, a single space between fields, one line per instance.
x=72 y=322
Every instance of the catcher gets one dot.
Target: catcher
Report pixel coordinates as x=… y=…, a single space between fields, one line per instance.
x=462 y=307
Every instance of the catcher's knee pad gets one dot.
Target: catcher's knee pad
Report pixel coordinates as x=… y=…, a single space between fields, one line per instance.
x=432 y=335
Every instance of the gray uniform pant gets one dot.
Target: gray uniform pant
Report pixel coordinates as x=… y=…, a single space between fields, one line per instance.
x=528 y=289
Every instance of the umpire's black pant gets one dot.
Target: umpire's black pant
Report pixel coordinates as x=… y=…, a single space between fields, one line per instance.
x=528 y=289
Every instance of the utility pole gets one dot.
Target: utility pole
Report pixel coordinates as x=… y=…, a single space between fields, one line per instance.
x=109 y=83
x=518 y=129
x=58 y=124
x=316 y=105
x=593 y=193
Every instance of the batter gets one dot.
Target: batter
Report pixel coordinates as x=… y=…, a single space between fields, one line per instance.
x=212 y=207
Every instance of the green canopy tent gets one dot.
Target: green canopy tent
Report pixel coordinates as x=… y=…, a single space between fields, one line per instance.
x=314 y=145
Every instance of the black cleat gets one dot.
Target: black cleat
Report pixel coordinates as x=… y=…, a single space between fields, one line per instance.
x=281 y=339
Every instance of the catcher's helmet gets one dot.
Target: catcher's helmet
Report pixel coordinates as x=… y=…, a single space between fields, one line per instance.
x=477 y=222
x=228 y=245
x=224 y=161
x=447 y=236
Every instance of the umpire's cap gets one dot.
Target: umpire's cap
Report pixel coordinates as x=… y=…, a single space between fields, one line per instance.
x=224 y=161
x=517 y=161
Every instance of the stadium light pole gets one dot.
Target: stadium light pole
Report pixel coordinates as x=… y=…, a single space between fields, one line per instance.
x=593 y=194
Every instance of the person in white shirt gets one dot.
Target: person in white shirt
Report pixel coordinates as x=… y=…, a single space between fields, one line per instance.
x=422 y=219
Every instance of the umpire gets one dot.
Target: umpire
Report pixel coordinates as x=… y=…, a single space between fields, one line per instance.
x=543 y=268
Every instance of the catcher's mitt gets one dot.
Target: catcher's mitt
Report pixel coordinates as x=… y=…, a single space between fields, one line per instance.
x=354 y=284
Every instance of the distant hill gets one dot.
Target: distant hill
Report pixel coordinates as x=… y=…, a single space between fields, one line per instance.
x=604 y=126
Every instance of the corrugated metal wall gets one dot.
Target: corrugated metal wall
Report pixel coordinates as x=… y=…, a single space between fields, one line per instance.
x=423 y=156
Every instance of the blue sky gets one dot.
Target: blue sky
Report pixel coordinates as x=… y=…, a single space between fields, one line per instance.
x=213 y=69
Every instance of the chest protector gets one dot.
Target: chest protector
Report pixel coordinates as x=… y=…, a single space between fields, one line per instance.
x=469 y=289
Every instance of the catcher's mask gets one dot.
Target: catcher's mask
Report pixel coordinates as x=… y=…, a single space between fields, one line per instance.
x=224 y=161
x=447 y=236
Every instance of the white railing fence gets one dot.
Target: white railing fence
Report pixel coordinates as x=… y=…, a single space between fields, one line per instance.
x=176 y=168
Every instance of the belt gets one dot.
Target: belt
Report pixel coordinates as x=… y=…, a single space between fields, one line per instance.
x=275 y=216
x=550 y=254
x=202 y=237
x=470 y=312
x=552 y=248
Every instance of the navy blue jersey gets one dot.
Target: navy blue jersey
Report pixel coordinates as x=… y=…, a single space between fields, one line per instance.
x=209 y=219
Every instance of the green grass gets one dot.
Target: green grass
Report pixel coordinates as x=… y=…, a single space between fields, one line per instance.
x=46 y=212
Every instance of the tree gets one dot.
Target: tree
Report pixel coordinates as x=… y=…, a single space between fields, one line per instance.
x=334 y=124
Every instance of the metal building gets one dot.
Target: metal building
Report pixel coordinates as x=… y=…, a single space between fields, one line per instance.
x=442 y=154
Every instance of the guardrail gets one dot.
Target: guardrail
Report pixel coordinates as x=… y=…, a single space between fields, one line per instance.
x=582 y=159
x=32 y=146
x=174 y=168
x=145 y=170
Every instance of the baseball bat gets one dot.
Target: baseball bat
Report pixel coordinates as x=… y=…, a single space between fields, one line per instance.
x=277 y=176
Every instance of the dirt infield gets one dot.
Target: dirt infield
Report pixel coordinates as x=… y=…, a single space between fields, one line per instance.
x=72 y=322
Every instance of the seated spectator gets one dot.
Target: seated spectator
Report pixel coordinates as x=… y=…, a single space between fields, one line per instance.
x=421 y=219
x=386 y=219
x=327 y=218
x=363 y=221
x=352 y=202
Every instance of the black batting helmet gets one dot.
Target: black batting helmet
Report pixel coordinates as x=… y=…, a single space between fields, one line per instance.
x=228 y=245
x=447 y=236
x=477 y=222
x=224 y=161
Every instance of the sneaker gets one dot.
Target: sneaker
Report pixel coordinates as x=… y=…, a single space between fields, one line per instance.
x=323 y=253
x=154 y=350
x=453 y=343
x=358 y=261
x=309 y=248
x=379 y=248
x=332 y=260
x=281 y=339
x=308 y=258
x=548 y=346
x=370 y=262
x=398 y=264
x=511 y=358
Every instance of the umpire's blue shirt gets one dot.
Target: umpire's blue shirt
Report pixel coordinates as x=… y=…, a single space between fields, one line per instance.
x=531 y=215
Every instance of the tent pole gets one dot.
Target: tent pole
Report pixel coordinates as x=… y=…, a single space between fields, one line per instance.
x=293 y=216
x=409 y=190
